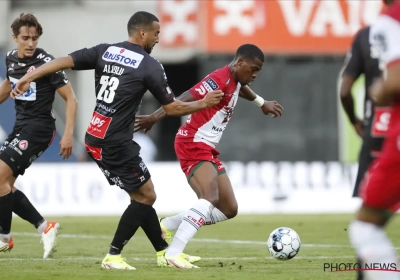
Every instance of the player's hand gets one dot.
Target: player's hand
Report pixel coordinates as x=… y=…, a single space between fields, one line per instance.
x=144 y=122
x=21 y=87
x=66 y=146
x=213 y=98
x=273 y=108
x=359 y=127
x=376 y=93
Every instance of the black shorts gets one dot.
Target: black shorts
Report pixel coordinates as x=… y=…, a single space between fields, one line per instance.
x=364 y=161
x=121 y=165
x=24 y=145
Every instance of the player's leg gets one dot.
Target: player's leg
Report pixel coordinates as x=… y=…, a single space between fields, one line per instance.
x=9 y=160
x=32 y=142
x=204 y=182
x=227 y=206
x=225 y=209
x=6 y=205
x=25 y=210
x=49 y=231
x=122 y=167
x=380 y=192
x=108 y=164
x=364 y=161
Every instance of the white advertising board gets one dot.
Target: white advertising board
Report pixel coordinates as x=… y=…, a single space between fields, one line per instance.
x=267 y=187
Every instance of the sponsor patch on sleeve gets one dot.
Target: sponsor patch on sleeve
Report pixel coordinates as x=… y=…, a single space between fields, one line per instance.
x=211 y=83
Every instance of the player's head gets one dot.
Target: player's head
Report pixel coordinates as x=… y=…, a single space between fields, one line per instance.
x=144 y=27
x=248 y=61
x=26 y=32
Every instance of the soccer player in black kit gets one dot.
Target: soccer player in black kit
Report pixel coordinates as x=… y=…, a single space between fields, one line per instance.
x=123 y=73
x=34 y=129
x=363 y=59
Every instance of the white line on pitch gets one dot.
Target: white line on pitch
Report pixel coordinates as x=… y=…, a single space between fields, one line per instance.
x=203 y=240
x=72 y=259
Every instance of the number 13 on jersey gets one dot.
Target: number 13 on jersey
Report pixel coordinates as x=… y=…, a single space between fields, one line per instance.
x=108 y=87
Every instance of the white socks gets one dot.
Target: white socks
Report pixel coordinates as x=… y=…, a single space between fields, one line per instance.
x=216 y=216
x=172 y=223
x=5 y=237
x=42 y=227
x=373 y=246
x=191 y=223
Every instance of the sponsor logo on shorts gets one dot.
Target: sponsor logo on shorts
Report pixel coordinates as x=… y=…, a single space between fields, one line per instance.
x=143 y=166
x=123 y=56
x=117 y=181
x=13 y=145
x=23 y=145
x=32 y=159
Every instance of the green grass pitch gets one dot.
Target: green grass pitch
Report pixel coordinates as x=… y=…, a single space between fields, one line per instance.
x=233 y=250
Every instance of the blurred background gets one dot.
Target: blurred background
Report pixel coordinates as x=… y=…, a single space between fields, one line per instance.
x=304 y=161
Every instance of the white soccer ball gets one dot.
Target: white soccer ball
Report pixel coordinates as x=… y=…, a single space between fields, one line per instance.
x=284 y=243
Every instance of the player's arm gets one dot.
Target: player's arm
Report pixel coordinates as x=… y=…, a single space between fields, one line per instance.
x=267 y=107
x=67 y=93
x=5 y=90
x=44 y=70
x=146 y=122
x=352 y=69
x=84 y=59
x=156 y=82
x=161 y=113
x=383 y=91
x=179 y=108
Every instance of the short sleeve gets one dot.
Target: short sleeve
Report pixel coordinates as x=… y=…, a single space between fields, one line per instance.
x=156 y=82
x=58 y=79
x=385 y=34
x=353 y=64
x=85 y=59
x=209 y=83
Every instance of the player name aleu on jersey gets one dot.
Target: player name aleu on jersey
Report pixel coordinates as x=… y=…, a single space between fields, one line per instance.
x=122 y=56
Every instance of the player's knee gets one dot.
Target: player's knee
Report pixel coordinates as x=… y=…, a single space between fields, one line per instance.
x=372 y=215
x=212 y=197
x=148 y=198
x=5 y=173
x=232 y=210
x=151 y=198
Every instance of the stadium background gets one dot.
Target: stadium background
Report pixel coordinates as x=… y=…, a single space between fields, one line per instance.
x=275 y=164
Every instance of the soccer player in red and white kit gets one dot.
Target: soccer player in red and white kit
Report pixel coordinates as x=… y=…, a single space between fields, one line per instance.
x=380 y=190
x=195 y=146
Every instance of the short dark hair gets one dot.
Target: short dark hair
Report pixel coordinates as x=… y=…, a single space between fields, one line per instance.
x=250 y=52
x=26 y=20
x=140 y=20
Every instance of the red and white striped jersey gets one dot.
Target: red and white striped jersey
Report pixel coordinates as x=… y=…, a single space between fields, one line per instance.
x=208 y=125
